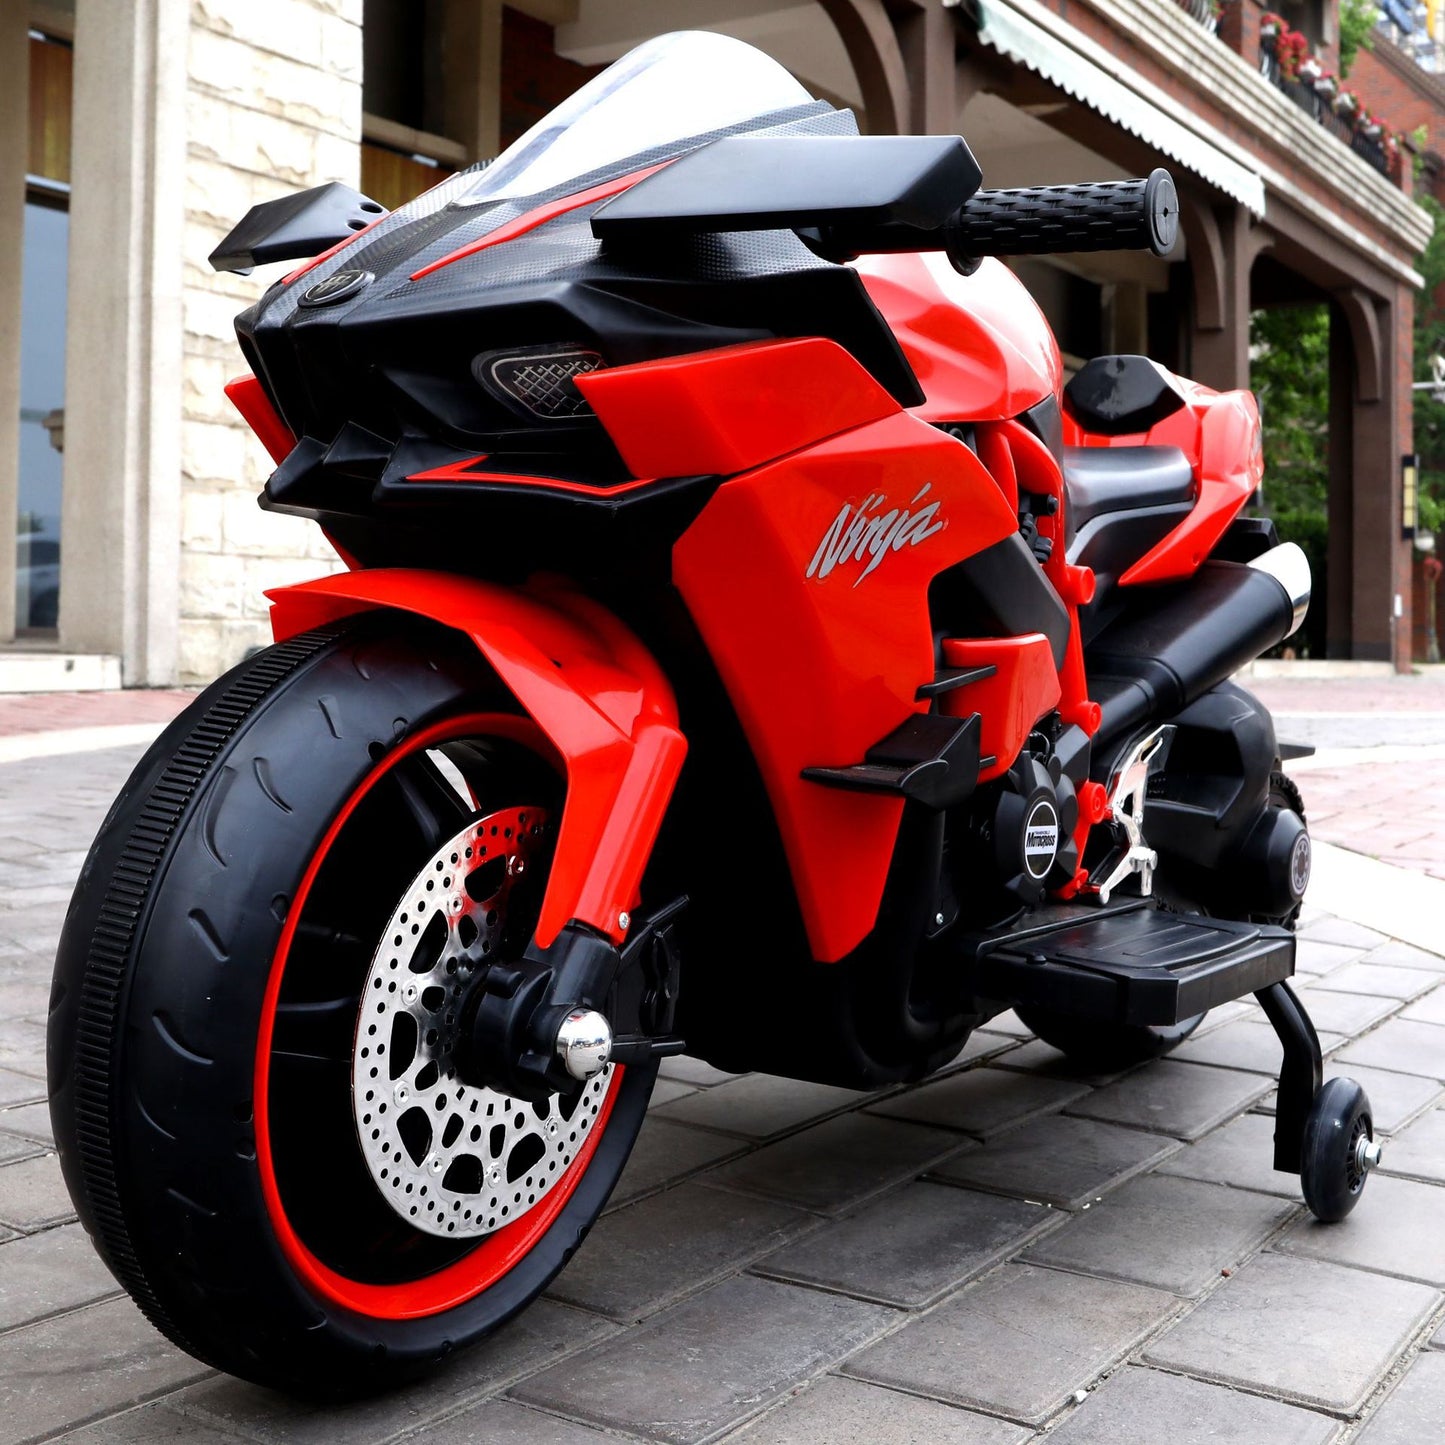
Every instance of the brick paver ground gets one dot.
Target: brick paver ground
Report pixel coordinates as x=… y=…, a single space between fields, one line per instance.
x=1011 y=1254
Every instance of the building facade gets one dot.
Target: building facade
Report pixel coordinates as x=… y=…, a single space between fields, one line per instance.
x=136 y=132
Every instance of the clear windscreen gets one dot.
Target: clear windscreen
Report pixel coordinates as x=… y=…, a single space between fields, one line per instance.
x=688 y=84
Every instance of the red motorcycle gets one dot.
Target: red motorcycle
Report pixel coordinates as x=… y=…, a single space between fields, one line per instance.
x=750 y=646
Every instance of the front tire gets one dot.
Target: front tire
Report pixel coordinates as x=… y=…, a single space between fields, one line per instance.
x=204 y=1017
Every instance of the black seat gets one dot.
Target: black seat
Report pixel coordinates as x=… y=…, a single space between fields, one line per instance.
x=1120 y=501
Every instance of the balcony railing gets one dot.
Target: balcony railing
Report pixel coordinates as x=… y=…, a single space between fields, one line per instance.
x=1206 y=12
x=1304 y=95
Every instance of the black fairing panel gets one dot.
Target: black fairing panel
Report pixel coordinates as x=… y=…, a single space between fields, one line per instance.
x=999 y=592
x=395 y=354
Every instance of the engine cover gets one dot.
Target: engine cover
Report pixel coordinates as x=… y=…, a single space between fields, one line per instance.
x=1032 y=828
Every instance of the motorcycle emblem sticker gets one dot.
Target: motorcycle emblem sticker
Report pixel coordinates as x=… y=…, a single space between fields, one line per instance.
x=336 y=287
x=872 y=530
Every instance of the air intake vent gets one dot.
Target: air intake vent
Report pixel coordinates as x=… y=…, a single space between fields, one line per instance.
x=541 y=381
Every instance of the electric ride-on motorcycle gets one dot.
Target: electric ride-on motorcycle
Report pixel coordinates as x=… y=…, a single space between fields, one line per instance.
x=749 y=646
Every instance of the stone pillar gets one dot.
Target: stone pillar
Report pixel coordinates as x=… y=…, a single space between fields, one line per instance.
x=123 y=371
x=273 y=105
x=14 y=135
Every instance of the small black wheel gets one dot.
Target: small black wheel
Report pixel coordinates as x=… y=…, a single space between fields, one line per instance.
x=1338 y=1150
x=1105 y=1047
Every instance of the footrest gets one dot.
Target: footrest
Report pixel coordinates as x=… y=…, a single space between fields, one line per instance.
x=1135 y=964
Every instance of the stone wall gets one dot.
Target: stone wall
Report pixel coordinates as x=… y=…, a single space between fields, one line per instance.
x=273 y=105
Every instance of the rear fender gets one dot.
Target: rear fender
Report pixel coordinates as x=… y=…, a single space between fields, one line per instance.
x=591 y=687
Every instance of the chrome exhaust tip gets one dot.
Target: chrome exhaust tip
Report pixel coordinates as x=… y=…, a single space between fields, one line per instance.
x=1289 y=566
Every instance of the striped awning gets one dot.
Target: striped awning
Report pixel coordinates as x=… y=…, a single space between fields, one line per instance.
x=1031 y=35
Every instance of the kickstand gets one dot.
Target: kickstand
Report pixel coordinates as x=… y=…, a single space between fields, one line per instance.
x=1300 y=1074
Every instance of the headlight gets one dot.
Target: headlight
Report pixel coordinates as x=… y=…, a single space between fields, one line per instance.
x=542 y=380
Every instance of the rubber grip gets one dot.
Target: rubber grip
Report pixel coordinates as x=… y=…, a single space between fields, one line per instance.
x=1041 y=220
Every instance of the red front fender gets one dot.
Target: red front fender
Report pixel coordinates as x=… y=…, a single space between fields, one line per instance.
x=586 y=681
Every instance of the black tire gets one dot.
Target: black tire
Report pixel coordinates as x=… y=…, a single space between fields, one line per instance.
x=161 y=987
x=1331 y=1175
x=1106 y=1047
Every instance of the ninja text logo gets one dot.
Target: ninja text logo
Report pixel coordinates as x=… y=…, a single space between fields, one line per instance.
x=869 y=532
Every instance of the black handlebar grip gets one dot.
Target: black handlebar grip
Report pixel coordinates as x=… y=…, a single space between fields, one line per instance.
x=1040 y=220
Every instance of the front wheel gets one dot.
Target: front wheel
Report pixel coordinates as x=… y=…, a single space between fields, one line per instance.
x=255 y=1013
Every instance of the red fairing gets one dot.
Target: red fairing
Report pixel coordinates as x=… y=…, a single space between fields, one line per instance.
x=728 y=410
x=249 y=398
x=808 y=579
x=1220 y=434
x=591 y=687
x=979 y=344
x=1024 y=686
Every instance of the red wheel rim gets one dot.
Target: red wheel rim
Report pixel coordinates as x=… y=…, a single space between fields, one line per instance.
x=499 y=1252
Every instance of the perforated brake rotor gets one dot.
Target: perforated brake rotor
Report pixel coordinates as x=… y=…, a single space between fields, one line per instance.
x=452 y=1159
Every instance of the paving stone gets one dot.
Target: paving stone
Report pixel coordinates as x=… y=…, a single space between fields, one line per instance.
x=1394 y=1098
x=638 y=1259
x=33 y=1193
x=760 y=1106
x=1343 y=932
x=12 y=1146
x=1406 y=955
x=1414 y=1411
x=1380 y=980
x=981 y=1102
x=912 y=1247
x=710 y=1362
x=667 y=1152
x=503 y=1422
x=71 y=1369
x=1017 y=1343
x=1185 y=1100
x=1395 y=1230
x=688 y=1070
x=665 y=1091
x=1419 y=1151
x=1315 y=1333
x=146 y=1426
x=1398 y=1045
x=542 y=1334
x=1008 y=1023
x=840 y=1163
x=1253 y=1047
x=30 y=1121
x=1058 y=1160
x=1176 y=1234
x=50 y=1272
x=839 y=1411
x=1343 y=1013
x=1239 y=1154
x=1037 y=1057
x=1144 y=1407
x=980 y=1045
x=19 y=1089
x=1427 y=1010
x=1321 y=958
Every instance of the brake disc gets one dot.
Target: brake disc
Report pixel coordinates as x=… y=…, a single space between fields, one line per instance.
x=449 y=1158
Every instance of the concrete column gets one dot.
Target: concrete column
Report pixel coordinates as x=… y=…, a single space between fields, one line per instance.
x=926 y=38
x=14 y=134
x=472 y=75
x=1220 y=257
x=1379 y=558
x=1341 y=502
x=120 y=516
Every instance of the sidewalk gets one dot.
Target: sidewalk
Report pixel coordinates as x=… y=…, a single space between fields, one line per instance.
x=1012 y=1252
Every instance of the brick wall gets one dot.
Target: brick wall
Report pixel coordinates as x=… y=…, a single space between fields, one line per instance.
x=534 y=77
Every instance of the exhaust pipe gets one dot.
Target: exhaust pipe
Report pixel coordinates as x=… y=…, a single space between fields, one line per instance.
x=1289 y=566
x=1170 y=647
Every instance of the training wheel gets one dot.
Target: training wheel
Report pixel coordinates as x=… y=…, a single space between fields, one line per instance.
x=1339 y=1150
